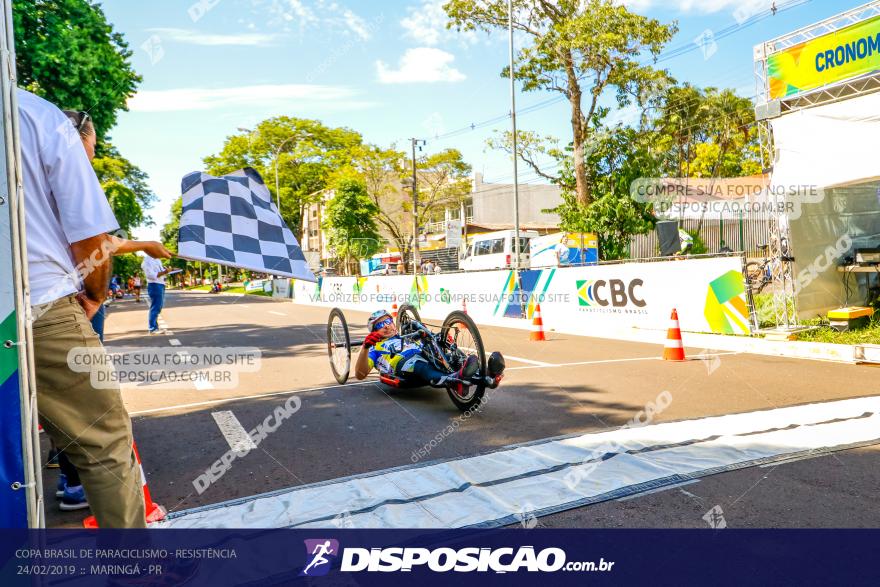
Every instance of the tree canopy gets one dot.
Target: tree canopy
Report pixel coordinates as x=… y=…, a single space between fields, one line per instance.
x=68 y=53
x=308 y=154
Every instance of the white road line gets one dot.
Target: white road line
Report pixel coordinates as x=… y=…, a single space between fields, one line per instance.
x=174 y=342
x=529 y=361
x=277 y=313
x=226 y=400
x=233 y=432
x=203 y=385
x=556 y=365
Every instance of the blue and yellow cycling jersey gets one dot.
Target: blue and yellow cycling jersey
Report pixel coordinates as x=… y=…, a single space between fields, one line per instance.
x=388 y=354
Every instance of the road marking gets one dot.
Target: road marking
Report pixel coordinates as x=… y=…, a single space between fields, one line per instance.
x=277 y=313
x=174 y=342
x=233 y=432
x=529 y=361
x=599 y=362
x=225 y=400
x=552 y=475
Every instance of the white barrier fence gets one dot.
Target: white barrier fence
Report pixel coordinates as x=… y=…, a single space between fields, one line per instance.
x=708 y=293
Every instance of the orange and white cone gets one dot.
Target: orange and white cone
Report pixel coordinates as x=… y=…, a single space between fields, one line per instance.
x=674 y=348
x=152 y=510
x=394 y=311
x=537 y=332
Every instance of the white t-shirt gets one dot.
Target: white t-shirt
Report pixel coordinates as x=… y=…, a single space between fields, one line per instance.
x=151 y=268
x=64 y=202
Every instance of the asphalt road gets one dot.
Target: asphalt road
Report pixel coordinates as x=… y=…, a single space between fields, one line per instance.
x=566 y=385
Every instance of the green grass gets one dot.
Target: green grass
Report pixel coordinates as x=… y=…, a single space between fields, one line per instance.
x=868 y=335
x=822 y=332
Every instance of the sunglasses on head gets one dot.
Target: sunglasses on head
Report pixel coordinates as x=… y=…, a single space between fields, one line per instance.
x=383 y=324
x=84 y=118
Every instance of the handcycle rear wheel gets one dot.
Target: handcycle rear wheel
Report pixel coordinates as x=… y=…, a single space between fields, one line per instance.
x=338 y=345
x=459 y=331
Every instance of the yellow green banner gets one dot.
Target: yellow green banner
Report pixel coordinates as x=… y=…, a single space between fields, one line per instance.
x=845 y=54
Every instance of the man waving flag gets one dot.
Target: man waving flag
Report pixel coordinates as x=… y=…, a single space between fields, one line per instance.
x=231 y=220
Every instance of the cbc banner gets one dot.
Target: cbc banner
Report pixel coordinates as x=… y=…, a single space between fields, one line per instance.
x=598 y=300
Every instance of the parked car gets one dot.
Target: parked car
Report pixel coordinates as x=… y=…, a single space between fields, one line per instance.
x=494 y=250
x=380 y=270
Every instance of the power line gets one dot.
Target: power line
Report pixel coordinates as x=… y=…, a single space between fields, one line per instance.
x=664 y=56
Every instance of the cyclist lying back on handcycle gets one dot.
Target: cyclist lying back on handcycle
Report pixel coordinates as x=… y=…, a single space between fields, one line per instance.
x=396 y=357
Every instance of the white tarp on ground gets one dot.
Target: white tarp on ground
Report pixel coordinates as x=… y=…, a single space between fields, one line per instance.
x=831 y=148
x=552 y=475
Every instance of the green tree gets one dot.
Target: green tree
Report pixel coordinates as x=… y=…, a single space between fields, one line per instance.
x=580 y=49
x=309 y=153
x=618 y=156
x=706 y=132
x=350 y=223
x=68 y=53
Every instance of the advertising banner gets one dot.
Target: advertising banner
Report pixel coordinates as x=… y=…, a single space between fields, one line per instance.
x=13 y=508
x=709 y=295
x=844 y=54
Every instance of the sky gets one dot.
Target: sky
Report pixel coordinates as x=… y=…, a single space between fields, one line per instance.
x=388 y=69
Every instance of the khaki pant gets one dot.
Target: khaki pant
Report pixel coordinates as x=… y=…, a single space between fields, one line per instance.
x=91 y=425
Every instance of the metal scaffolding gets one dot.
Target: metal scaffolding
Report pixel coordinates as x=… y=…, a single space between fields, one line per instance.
x=766 y=109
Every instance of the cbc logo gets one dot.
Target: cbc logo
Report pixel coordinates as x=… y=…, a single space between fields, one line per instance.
x=612 y=292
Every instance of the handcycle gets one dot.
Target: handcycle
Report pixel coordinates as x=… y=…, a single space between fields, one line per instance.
x=446 y=350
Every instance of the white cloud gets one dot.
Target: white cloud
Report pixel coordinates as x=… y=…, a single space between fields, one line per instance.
x=289 y=96
x=421 y=65
x=316 y=14
x=193 y=37
x=701 y=6
x=426 y=24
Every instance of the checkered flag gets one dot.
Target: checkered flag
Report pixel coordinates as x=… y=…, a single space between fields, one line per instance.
x=231 y=220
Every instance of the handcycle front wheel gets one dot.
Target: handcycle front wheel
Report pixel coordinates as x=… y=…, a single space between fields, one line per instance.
x=460 y=334
x=405 y=316
x=338 y=345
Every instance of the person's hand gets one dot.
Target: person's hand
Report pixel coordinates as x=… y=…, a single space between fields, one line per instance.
x=89 y=306
x=156 y=250
x=373 y=338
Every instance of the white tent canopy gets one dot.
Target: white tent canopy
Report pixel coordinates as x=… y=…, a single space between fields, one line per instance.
x=834 y=150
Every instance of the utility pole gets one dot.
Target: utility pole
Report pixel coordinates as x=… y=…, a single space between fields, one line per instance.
x=415 y=206
x=513 y=127
x=516 y=240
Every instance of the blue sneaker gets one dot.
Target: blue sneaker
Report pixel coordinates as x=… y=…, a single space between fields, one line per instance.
x=74 y=498
x=62 y=485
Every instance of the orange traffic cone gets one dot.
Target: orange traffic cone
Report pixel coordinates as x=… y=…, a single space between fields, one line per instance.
x=394 y=310
x=153 y=511
x=537 y=332
x=674 y=348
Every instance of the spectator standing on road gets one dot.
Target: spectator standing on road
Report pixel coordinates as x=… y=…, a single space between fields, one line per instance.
x=82 y=122
x=136 y=284
x=155 y=272
x=68 y=218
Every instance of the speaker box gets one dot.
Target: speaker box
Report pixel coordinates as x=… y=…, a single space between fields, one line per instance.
x=667 y=234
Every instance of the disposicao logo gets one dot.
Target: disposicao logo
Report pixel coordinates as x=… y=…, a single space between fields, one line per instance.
x=320 y=554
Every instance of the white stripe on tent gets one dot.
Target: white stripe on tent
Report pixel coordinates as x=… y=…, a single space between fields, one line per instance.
x=551 y=475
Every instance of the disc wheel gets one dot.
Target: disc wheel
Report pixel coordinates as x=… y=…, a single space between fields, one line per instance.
x=405 y=316
x=338 y=345
x=460 y=338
